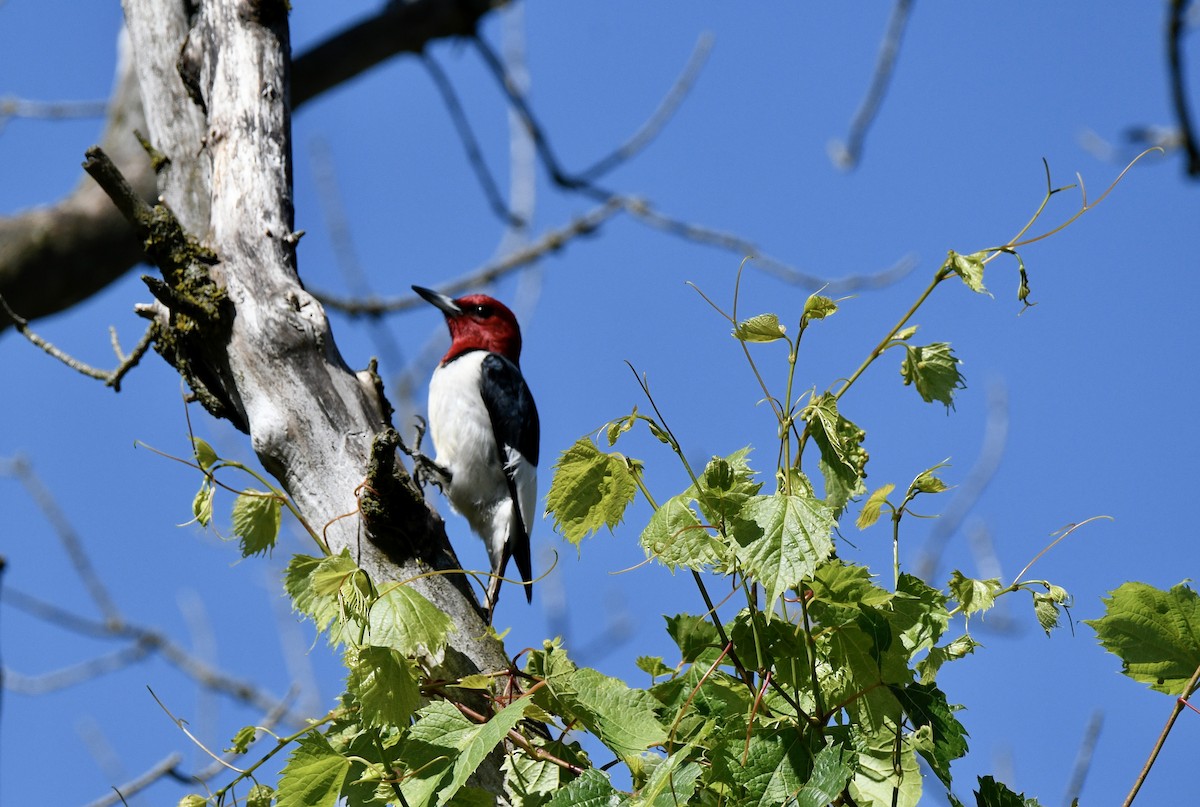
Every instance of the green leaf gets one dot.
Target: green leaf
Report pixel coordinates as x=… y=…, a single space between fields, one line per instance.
x=533 y=782
x=926 y=705
x=313 y=775
x=926 y=482
x=995 y=794
x=882 y=778
x=904 y=334
x=475 y=743
x=973 y=595
x=781 y=539
x=590 y=489
x=1155 y=633
x=933 y=370
x=623 y=719
x=241 y=740
x=872 y=506
x=921 y=614
x=761 y=328
x=672 y=782
x=675 y=537
x=694 y=635
x=1046 y=611
x=969 y=268
x=725 y=485
x=203 y=503
x=781 y=766
x=818 y=307
x=653 y=666
x=928 y=667
x=384 y=685
x=591 y=789
x=404 y=620
x=330 y=590
x=256 y=519
x=192 y=800
x=206 y=457
x=843 y=459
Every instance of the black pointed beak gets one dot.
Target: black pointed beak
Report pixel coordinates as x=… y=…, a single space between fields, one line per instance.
x=447 y=305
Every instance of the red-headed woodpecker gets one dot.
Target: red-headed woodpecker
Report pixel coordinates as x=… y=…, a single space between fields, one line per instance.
x=485 y=428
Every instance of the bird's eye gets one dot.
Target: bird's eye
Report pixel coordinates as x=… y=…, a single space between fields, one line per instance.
x=482 y=311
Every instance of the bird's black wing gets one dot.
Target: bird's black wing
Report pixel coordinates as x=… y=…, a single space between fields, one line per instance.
x=515 y=424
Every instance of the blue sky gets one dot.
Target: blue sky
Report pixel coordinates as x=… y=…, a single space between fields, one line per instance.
x=1097 y=378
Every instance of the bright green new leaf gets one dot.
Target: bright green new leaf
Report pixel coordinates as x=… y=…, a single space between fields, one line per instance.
x=926 y=482
x=781 y=539
x=314 y=774
x=653 y=666
x=1046 y=611
x=590 y=489
x=928 y=667
x=241 y=740
x=475 y=743
x=921 y=614
x=384 y=685
x=872 y=506
x=761 y=328
x=591 y=789
x=192 y=800
x=885 y=780
x=818 y=307
x=206 y=457
x=1155 y=633
x=973 y=595
x=933 y=370
x=532 y=782
x=329 y=590
x=256 y=519
x=675 y=537
x=904 y=334
x=404 y=620
x=843 y=459
x=619 y=427
x=969 y=268
x=203 y=503
x=623 y=719
x=725 y=485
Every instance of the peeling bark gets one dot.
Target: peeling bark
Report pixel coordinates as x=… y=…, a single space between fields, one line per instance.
x=312 y=422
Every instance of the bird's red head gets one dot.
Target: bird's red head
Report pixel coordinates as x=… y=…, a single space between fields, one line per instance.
x=477 y=322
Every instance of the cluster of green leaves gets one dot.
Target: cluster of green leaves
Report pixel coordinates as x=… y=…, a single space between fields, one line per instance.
x=821 y=687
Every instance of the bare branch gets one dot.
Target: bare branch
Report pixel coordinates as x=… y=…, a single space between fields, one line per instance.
x=550 y=242
x=846 y=155
x=666 y=110
x=474 y=154
x=13 y=107
x=111 y=378
x=1176 y=27
x=164 y=768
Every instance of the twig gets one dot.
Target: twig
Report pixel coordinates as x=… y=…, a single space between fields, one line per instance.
x=474 y=154
x=163 y=768
x=846 y=155
x=1162 y=738
x=995 y=437
x=665 y=111
x=111 y=378
x=22 y=469
x=76 y=674
x=1176 y=27
x=13 y=107
x=550 y=242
